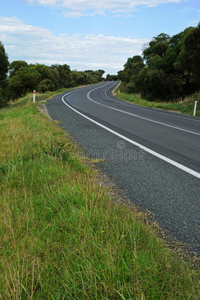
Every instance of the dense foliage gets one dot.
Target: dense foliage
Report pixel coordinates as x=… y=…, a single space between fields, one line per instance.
x=111 y=77
x=3 y=74
x=19 y=77
x=24 y=78
x=168 y=69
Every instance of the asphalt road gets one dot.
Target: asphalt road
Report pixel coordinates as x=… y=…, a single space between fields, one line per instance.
x=153 y=155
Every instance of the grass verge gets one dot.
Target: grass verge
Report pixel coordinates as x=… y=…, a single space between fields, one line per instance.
x=61 y=236
x=185 y=106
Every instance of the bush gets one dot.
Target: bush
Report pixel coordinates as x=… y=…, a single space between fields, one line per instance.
x=157 y=85
x=130 y=87
x=25 y=80
x=45 y=85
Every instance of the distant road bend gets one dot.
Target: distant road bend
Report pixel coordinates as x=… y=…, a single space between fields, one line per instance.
x=153 y=155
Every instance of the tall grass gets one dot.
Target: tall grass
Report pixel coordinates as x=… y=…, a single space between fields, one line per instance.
x=61 y=236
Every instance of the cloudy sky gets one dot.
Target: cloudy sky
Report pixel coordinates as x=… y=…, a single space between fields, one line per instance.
x=89 y=34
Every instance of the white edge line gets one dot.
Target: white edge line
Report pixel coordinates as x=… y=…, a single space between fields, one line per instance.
x=160 y=156
x=136 y=116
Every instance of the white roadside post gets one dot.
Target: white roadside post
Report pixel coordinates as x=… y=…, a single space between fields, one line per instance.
x=195 y=108
x=34 y=96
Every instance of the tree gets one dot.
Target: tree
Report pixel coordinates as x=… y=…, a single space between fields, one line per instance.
x=44 y=71
x=171 y=69
x=192 y=50
x=132 y=67
x=177 y=60
x=111 y=77
x=100 y=74
x=157 y=85
x=158 y=46
x=55 y=77
x=15 y=66
x=25 y=80
x=45 y=85
x=77 y=78
x=65 y=76
x=129 y=75
x=4 y=63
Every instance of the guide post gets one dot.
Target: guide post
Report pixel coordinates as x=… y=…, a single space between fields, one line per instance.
x=195 y=108
x=34 y=96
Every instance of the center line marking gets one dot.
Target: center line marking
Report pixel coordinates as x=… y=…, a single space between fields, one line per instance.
x=137 y=116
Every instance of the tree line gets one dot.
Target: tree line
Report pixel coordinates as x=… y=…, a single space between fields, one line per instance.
x=18 y=77
x=169 y=68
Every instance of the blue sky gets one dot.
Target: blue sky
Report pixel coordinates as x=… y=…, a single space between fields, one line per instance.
x=88 y=34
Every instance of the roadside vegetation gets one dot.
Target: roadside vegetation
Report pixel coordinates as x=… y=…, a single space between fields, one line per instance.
x=19 y=78
x=168 y=70
x=185 y=106
x=61 y=234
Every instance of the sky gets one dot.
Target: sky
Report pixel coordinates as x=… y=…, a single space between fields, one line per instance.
x=89 y=34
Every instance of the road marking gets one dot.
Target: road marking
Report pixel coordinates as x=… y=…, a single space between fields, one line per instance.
x=150 y=109
x=160 y=156
x=137 y=116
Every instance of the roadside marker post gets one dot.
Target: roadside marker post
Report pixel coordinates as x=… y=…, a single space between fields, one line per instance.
x=195 y=108
x=34 y=96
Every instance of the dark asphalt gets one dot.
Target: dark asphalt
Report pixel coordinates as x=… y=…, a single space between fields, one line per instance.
x=170 y=194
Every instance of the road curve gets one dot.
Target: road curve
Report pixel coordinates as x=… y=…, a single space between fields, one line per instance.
x=153 y=155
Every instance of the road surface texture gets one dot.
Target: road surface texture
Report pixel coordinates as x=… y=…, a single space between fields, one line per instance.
x=152 y=155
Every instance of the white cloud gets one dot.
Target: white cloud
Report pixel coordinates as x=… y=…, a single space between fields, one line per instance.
x=78 y=14
x=39 y=45
x=78 y=8
x=17 y=27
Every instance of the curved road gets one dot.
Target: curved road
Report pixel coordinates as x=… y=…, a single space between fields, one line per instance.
x=153 y=155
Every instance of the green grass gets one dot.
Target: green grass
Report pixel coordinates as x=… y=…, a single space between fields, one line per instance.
x=185 y=106
x=61 y=235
